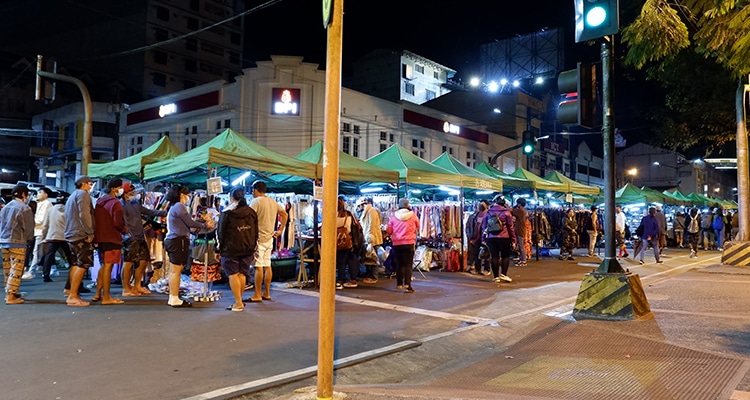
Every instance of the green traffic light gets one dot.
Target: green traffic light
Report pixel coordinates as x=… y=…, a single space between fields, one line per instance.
x=528 y=149
x=596 y=16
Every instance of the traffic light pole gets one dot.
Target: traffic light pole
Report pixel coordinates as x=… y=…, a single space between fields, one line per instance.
x=610 y=263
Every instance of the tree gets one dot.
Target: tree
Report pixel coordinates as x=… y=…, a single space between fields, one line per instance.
x=718 y=30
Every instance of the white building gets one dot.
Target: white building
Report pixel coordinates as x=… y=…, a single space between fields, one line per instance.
x=280 y=104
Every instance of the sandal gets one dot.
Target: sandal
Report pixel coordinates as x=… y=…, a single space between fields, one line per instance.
x=77 y=303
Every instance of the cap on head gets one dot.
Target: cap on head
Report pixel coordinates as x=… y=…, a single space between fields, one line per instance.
x=84 y=179
x=128 y=187
x=403 y=203
x=499 y=199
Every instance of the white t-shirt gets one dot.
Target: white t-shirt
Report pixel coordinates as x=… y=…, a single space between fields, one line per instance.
x=268 y=210
x=620 y=221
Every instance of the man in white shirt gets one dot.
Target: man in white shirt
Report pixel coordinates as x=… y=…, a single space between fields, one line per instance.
x=269 y=228
x=42 y=207
x=620 y=231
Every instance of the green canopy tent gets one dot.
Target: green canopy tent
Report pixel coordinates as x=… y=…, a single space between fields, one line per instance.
x=412 y=169
x=232 y=150
x=132 y=167
x=665 y=199
x=633 y=194
x=679 y=196
x=539 y=182
x=508 y=181
x=351 y=169
x=481 y=181
x=573 y=186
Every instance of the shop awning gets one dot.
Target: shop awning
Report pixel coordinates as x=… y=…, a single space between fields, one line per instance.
x=472 y=178
x=632 y=194
x=132 y=167
x=539 y=182
x=412 y=169
x=230 y=149
x=573 y=186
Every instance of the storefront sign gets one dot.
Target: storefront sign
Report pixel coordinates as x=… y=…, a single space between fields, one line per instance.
x=167 y=109
x=182 y=106
x=444 y=126
x=285 y=101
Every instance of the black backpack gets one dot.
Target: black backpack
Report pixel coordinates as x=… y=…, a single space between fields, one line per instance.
x=358 y=235
x=494 y=224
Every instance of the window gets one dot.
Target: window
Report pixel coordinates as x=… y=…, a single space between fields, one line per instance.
x=419 y=68
x=132 y=141
x=160 y=34
x=355 y=148
x=383 y=135
x=192 y=24
x=445 y=148
x=138 y=150
x=160 y=57
x=390 y=138
x=139 y=139
x=406 y=71
x=429 y=94
x=409 y=88
x=162 y=13
x=356 y=129
x=159 y=79
x=195 y=130
x=218 y=124
x=417 y=144
x=436 y=75
x=162 y=134
x=191 y=65
x=191 y=44
x=187 y=131
x=383 y=147
x=346 y=127
x=345 y=142
x=193 y=143
x=227 y=123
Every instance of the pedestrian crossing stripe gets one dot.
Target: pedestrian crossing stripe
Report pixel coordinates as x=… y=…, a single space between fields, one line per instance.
x=611 y=296
x=736 y=253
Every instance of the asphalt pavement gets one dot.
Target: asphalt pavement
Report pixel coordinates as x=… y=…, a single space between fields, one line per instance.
x=457 y=336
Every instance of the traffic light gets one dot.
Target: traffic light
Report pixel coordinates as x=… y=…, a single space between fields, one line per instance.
x=596 y=18
x=529 y=143
x=578 y=99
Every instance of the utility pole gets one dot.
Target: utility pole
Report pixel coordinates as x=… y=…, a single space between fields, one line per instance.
x=87 y=109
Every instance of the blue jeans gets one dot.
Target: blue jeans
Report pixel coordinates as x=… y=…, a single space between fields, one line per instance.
x=654 y=242
x=719 y=237
x=520 y=241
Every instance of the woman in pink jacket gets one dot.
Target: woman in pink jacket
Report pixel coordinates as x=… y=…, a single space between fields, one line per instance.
x=403 y=227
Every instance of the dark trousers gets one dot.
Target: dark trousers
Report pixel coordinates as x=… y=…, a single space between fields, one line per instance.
x=49 y=256
x=500 y=250
x=404 y=258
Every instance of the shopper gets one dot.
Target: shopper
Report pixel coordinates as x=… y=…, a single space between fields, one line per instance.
x=16 y=230
x=498 y=228
x=53 y=236
x=521 y=216
x=592 y=225
x=474 y=235
x=347 y=256
x=709 y=236
x=651 y=234
x=662 y=220
x=718 y=224
x=693 y=231
x=679 y=229
x=136 y=249
x=109 y=227
x=569 y=235
x=43 y=205
x=371 y=226
x=237 y=234
x=177 y=241
x=269 y=228
x=403 y=226
x=79 y=232
x=620 y=232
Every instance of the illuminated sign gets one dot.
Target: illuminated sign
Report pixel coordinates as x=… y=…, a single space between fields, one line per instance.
x=450 y=128
x=285 y=101
x=167 y=109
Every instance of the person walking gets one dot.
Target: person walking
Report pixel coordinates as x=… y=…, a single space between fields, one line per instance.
x=679 y=229
x=474 y=235
x=592 y=223
x=136 y=249
x=718 y=224
x=651 y=233
x=521 y=216
x=237 y=236
x=53 y=236
x=43 y=205
x=709 y=236
x=371 y=222
x=620 y=232
x=662 y=220
x=177 y=240
x=16 y=230
x=109 y=227
x=569 y=235
x=500 y=237
x=269 y=228
x=403 y=226
x=693 y=231
x=79 y=232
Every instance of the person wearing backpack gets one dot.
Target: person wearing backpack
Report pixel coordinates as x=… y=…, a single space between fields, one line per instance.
x=237 y=236
x=718 y=226
x=709 y=236
x=497 y=226
x=693 y=231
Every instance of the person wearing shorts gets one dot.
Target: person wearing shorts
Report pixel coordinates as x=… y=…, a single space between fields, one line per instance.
x=16 y=230
x=237 y=234
x=79 y=233
x=177 y=241
x=108 y=231
x=267 y=210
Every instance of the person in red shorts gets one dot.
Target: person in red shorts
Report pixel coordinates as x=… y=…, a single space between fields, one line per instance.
x=109 y=227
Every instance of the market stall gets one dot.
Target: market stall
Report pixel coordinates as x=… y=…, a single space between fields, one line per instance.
x=132 y=167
